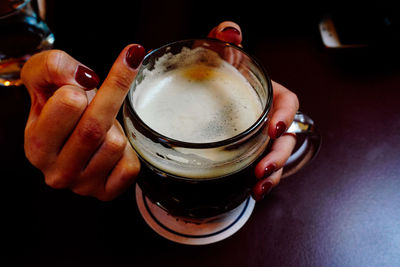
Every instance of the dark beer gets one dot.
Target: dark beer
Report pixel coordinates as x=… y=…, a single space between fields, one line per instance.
x=198 y=124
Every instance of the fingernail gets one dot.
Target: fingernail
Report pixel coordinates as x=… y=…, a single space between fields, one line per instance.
x=231 y=35
x=135 y=55
x=261 y=189
x=269 y=170
x=231 y=30
x=280 y=128
x=86 y=77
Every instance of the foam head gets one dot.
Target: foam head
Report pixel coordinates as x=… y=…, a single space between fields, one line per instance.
x=201 y=99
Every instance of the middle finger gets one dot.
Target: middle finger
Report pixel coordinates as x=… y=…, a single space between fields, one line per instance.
x=102 y=111
x=94 y=177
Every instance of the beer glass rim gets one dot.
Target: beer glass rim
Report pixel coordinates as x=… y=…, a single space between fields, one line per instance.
x=167 y=141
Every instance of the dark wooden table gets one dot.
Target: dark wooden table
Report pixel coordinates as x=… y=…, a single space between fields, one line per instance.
x=343 y=209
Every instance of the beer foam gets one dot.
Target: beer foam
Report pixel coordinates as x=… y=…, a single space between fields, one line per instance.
x=195 y=96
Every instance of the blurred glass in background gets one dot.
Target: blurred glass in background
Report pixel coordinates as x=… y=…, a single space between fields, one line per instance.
x=23 y=33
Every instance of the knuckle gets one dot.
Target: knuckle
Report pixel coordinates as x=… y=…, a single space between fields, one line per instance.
x=131 y=170
x=53 y=61
x=34 y=151
x=32 y=63
x=29 y=151
x=284 y=149
x=276 y=177
x=115 y=142
x=33 y=157
x=58 y=180
x=121 y=82
x=91 y=131
x=290 y=143
x=294 y=98
x=71 y=99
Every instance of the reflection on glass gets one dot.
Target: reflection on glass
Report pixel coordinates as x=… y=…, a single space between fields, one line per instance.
x=22 y=33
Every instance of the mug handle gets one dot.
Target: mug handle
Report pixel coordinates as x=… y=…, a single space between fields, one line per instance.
x=308 y=143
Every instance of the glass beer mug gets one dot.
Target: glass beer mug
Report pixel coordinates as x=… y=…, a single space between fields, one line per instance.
x=197 y=116
x=22 y=33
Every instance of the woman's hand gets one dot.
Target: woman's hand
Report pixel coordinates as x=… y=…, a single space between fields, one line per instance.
x=77 y=144
x=285 y=105
x=269 y=169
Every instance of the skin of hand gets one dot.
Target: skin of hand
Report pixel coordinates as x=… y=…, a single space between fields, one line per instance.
x=285 y=105
x=73 y=137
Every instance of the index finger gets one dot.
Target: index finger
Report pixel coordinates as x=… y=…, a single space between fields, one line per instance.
x=47 y=71
x=51 y=69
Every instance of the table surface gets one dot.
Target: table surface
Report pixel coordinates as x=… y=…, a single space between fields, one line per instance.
x=343 y=209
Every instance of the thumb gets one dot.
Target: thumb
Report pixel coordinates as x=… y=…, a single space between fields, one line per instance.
x=44 y=72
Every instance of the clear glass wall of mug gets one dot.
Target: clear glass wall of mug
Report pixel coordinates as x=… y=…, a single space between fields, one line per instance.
x=22 y=33
x=197 y=117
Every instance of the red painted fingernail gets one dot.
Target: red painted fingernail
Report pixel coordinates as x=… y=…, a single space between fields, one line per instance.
x=86 y=77
x=261 y=189
x=280 y=128
x=269 y=170
x=135 y=55
x=231 y=34
x=231 y=30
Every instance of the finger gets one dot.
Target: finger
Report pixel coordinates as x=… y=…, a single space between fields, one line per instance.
x=58 y=118
x=93 y=178
x=102 y=111
x=264 y=186
x=269 y=169
x=211 y=34
x=123 y=175
x=108 y=154
x=285 y=106
x=280 y=152
x=109 y=98
x=46 y=71
x=227 y=31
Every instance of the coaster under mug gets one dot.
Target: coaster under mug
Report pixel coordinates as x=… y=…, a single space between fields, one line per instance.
x=185 y=232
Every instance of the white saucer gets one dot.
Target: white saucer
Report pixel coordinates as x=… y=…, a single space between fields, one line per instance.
x=180 y=231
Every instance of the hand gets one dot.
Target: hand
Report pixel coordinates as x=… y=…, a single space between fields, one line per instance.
x=269 y=169
x=81 y=146
x=77 y=144
x=285 y=105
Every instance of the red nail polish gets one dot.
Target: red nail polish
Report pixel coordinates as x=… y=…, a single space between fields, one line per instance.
x=280 y=128
x=231 y=34
x=262 y=188
x=135 y=55
x=86 y=77
x=269 y=170
x=231 y=29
